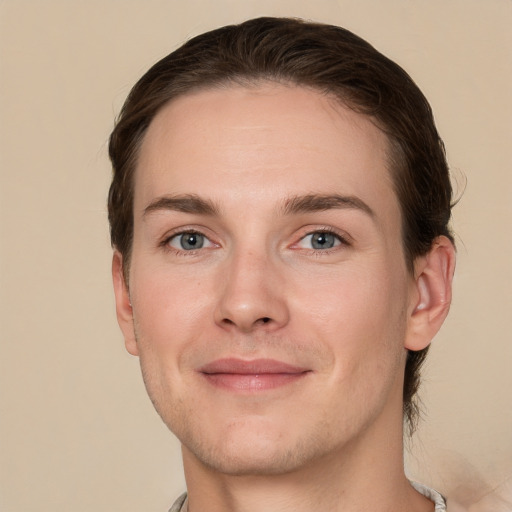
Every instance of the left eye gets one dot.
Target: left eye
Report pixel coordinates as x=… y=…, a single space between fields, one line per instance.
x=319 y=240
x=189 y=241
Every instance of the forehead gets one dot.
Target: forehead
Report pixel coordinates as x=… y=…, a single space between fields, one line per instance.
x=262 y=143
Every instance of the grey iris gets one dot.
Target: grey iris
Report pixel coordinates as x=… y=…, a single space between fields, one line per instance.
x=189 y=241
x=322 y=240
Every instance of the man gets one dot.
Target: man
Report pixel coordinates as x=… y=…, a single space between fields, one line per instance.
x=279 y=213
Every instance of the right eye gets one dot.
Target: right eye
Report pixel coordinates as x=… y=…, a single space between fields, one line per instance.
x=189 y=241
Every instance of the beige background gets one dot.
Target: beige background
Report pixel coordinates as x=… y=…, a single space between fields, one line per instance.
x=77 y=431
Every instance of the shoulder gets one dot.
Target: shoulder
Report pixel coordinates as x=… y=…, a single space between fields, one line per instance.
x=432 y=495
x=180 y=505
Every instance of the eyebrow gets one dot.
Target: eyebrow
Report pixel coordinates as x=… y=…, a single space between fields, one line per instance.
x=192 y=203
x=186 y=203
x=322 y=202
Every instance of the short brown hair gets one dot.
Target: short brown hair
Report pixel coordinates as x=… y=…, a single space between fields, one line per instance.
x=331 y=60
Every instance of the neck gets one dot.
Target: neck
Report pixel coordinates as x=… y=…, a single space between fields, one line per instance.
x=366 y=474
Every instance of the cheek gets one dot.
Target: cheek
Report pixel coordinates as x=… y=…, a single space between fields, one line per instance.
x=352 y=293
x=358 y=313
x=170 y=312
x=170 y=308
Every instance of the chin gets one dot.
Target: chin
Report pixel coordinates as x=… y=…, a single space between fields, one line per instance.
x=250 y=461
x=255 y=450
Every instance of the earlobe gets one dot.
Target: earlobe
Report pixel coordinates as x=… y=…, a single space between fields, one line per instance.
x=432 y=294
x=123 y=305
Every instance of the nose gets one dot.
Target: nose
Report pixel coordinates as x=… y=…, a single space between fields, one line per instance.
x=252 y=294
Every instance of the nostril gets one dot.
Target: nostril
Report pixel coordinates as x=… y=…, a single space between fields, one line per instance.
x=247 y=324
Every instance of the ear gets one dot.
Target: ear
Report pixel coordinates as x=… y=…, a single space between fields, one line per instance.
x=123 y=305
x=432 y=294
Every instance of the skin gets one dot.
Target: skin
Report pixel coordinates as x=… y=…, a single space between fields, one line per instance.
x=231 y=168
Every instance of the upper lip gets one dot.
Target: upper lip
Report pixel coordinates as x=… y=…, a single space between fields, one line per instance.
x=250 y=367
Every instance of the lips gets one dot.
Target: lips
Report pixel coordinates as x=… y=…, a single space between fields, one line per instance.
x=254 y=375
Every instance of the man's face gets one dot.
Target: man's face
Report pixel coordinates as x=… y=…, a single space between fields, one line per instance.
x=269 y=290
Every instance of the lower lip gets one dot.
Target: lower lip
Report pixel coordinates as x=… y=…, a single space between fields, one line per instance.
x=252 y=382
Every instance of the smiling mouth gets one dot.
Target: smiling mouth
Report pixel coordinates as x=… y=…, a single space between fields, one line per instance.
x=256 y=375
